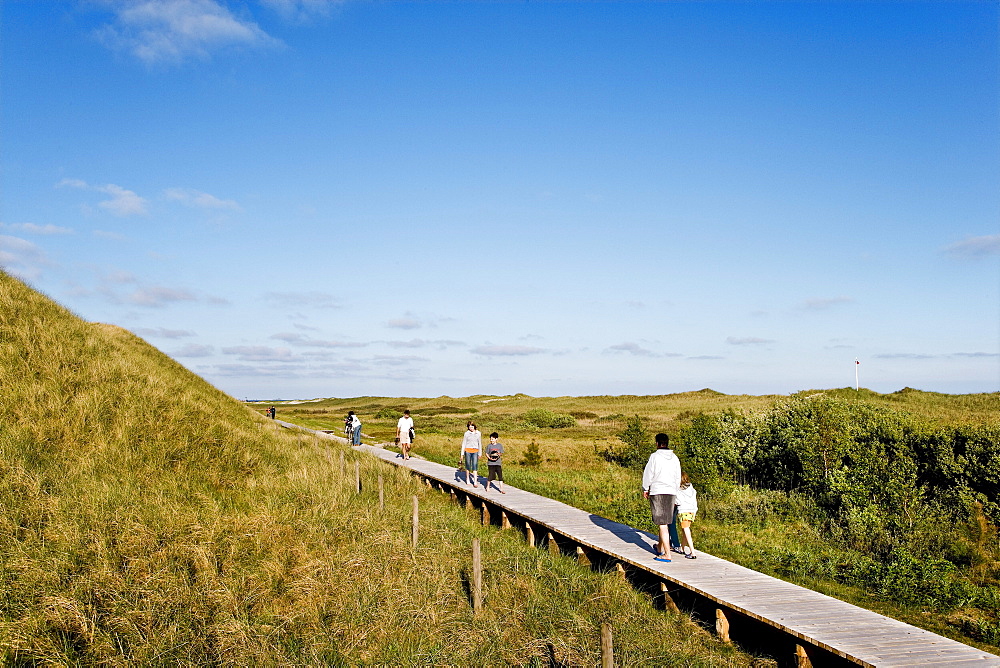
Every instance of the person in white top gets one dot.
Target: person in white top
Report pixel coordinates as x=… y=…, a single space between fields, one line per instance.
x=687 y=508
x=404 y=434
x=472 y=444
x=661 y=480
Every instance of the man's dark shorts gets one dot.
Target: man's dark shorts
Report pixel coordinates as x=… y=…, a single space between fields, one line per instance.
x=662 y=506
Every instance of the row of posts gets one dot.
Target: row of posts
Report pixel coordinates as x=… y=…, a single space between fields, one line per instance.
x=607 y=646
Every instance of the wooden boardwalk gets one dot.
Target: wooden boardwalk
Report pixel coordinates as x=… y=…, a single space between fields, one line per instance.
x=821 y=629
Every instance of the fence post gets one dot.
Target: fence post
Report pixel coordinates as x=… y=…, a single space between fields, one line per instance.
x=416 y=520
x=607 y=647
x=357 y=476
x=477 y=577
x=381 y=493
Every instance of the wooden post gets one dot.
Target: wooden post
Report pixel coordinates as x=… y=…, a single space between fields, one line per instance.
x=454 y=497
x=477 y=577
x=341 y=463
x=607 y=647
x=668 y=601
x=620 y=569
x=416 y=519
x=529 y=534
x=802 y=657
x=485 y=514
x=581 y=556
x=722 y=625
x=381 y=493
x=357 y=476
x=553 y=545
x=504 y=520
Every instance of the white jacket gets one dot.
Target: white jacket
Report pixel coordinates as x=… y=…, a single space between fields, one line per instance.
x=662 y=474
x=687 y=500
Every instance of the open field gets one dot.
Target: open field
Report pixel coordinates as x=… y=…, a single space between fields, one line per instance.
x=780 y=532
x=147 y=518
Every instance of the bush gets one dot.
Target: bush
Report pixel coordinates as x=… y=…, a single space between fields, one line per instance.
x=544 y=418
x=387 y=413
x=532 y=457
x=636 y=445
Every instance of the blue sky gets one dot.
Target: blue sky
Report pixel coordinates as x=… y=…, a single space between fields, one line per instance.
x=303 y=198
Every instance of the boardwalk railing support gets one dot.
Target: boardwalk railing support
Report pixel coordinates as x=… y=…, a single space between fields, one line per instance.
x=477 y=577
x=668 y=601
x=581 y=556
x=620 y=570
x=504 y=520
x=722 y=625
x=485 y=514
x=553 y=545
x=802 y=657
x=607 y=647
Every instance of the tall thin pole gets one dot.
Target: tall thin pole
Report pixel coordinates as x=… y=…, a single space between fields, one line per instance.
x=856 y=365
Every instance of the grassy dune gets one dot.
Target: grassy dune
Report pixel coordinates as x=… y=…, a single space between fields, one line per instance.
x=146 y=518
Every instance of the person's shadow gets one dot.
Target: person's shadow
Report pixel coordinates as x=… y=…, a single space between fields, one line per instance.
x=625 y=532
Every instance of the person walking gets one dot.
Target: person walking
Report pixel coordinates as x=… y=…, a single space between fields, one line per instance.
x=661 y=481
x=355 y=429
x=472 y=444
x=687 y=508
x=405 y=434
x=494 y=462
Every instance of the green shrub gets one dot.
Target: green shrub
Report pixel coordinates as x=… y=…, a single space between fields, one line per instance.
x=544 y=418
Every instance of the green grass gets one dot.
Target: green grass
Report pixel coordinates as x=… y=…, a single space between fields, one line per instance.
x=147 y=518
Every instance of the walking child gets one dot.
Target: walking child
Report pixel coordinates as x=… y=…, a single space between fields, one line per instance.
x=687 y=508
x=494 y=463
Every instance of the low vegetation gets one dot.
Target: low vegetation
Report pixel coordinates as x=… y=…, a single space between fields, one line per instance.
x=888 y=501
x=146 y=518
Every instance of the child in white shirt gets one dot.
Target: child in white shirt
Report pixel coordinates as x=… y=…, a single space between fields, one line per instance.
x=687 y=508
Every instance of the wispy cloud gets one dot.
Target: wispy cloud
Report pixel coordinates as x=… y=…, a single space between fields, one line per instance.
x=975 y=247
x=299 y=11
x=406 y=322
x=122 y=203
x=260 y=353
x=21 y=258
x=199 y=200
x=631 y=349
x=507 y=351
x=440 y=344
x=747 y=341
x=158 y=296
x=904 y=356
x=160 y=332
x=823 y=303
x=171 y=31
x=304 y=299
x=40 y=230
x=302 y=340
x=397 y=360
x=195 y=350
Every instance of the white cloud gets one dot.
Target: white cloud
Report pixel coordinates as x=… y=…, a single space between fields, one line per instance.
x=975 y=247
x=195 y=350
x=123 y=202
x=302 y=340
x=21 y=258
x=404 y=323
x=41 y=230
x=260 y=353
x=301 y=10
x=170 y=31
x=199 y=200
x=507 y=351
x=823 y=303
x=158 y=296
x=163 y=333
x=632 y=349
x=747 y=341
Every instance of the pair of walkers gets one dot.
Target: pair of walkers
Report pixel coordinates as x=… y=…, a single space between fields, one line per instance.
x=672 y=498
x=472 y=446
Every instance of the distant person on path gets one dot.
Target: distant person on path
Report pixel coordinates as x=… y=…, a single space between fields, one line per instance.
x=472 y=444
x=405 y=434
x=349 y=426
x=270 y=412
x=494 y=462
x=687 y=508
x=355 y=429
x=661 y=480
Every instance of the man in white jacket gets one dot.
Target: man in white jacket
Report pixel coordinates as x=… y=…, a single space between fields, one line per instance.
x=661 y=480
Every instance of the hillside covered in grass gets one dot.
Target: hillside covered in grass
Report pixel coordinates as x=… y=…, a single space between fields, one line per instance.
x=147 y=518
